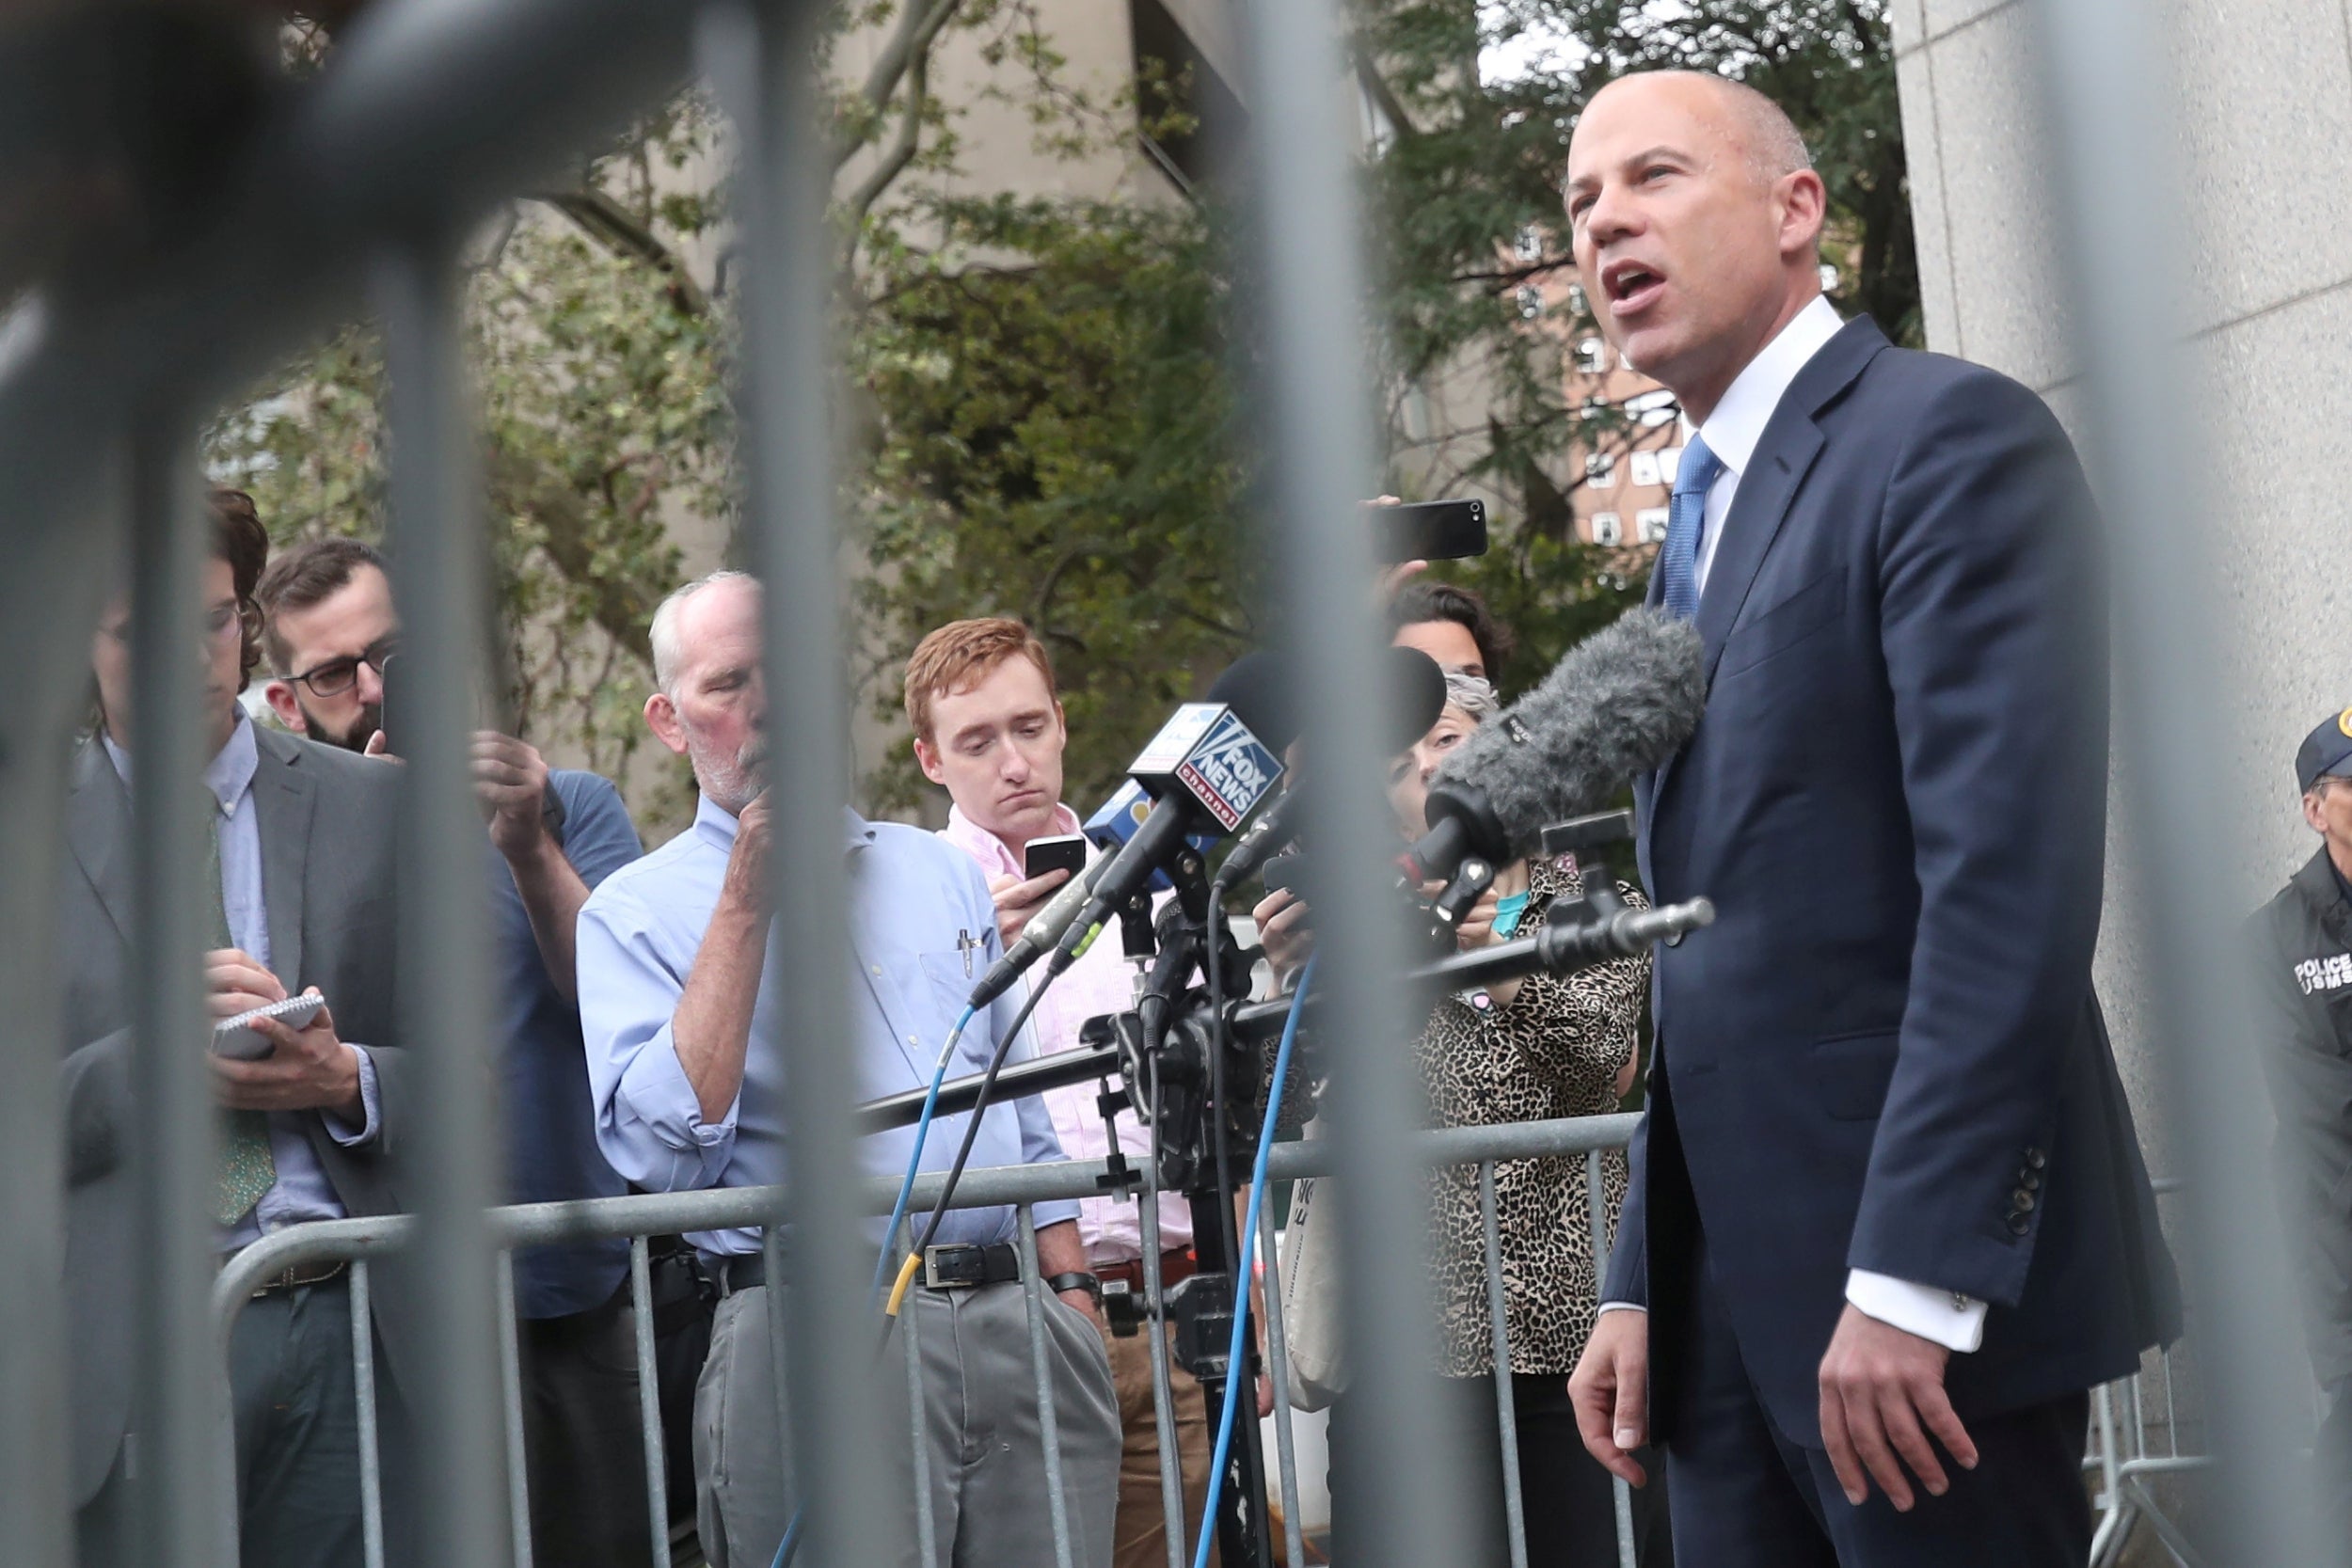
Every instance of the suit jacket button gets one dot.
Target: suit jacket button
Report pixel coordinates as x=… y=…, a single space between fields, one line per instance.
x=2035 y=1159
x=2019 y=1225
x=2029 y=1181
x=2021 y=1201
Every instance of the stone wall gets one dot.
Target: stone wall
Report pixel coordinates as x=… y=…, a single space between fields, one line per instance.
x=2264 y=107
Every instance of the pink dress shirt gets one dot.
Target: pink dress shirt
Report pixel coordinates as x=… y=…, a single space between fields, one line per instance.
x=1101 y=982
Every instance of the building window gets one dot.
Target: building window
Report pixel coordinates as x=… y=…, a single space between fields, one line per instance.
x=1829 y=279
x=1669 y=463
x=1601 y=470
x=1645 y=469
x=1651 y=522
x=1592 y=408
x=1591 y=356
x=1531 y=300
x=1575 y=300
x=1607 y=530
x=1528 y=244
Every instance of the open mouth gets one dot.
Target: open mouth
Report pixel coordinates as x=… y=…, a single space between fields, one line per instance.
x=1631 y=287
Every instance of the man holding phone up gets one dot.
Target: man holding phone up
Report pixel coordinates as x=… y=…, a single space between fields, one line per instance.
x=553 y=835
x=989 y=730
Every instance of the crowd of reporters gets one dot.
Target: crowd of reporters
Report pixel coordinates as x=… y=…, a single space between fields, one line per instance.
x=630 y=993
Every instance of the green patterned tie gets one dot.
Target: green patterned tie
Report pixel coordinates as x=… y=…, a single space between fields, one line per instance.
x=247 y=1169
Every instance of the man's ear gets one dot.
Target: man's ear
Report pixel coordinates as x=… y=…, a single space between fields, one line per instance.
x=928 y=760
x=281 y=697
x=661 y=717
x=2311 y=813
x=1805 y=210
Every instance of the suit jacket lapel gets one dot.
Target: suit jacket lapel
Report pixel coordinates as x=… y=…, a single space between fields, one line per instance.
x=1790 y=442
x=283 y=796
x=1777 y=466
x=98 y=829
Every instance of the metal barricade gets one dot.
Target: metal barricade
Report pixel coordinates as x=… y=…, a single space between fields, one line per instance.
x=363 y=1243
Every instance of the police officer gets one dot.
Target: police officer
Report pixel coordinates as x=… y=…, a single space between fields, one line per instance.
x=2303 y=947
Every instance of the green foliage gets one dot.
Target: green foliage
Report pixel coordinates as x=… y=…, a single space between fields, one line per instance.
x=1052 y=445
x=598 y=371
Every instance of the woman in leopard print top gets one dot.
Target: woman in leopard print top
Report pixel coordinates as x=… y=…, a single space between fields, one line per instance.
x=1543 y=1047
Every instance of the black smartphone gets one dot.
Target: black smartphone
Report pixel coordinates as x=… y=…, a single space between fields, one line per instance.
x=394 y=672
x=1285 y=870
x=1061 y=852
x=1428 y=530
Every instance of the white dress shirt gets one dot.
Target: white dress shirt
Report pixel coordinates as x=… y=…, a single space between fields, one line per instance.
x=1731 y=433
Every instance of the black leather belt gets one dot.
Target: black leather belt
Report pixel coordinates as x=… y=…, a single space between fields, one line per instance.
x=953 y=1266
x=962 y=1266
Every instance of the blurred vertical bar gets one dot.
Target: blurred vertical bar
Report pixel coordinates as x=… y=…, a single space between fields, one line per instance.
x=763 y=58
x=1279 y=1368
x=453 y=1152
x=179 y=1507
x=2106 y=72
x=649 y=1398
x=371 y=1427
x=1315 y=391
x=510 y=1404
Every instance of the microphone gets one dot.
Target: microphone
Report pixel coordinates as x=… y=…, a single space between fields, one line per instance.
x=1038 y=937
x=1206 y=771
x=1251 y=692
x=1618 y=704
x=1420 y=685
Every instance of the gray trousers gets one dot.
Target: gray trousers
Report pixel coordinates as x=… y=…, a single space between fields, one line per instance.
x=298 y=1425
x=981 y=1438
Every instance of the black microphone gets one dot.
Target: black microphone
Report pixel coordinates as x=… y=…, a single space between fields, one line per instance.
x=1618 y=704
x=1206 y=771
x=1420 y=685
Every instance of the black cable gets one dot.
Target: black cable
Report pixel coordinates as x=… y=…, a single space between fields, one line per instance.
x=979 y=1109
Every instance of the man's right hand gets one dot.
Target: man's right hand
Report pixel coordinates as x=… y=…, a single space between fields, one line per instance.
x=1018 y=901
x=237 y=982
x=1609 y=1391
x=746 y=881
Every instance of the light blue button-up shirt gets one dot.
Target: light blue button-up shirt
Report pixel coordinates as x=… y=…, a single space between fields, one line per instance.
x=302 y=1191
x=922 y=928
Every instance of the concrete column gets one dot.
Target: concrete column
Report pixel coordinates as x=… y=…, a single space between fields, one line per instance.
x=2265 y=169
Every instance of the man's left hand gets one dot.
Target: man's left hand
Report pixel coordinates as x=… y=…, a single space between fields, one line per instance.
x=510 y=784
x=1881 y=1397
x=309 y=1069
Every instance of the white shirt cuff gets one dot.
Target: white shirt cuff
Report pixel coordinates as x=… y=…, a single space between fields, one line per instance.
x=1622 y=1307
x=1951 y=1319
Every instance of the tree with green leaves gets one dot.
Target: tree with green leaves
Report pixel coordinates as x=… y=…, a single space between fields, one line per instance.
x=1045 y=419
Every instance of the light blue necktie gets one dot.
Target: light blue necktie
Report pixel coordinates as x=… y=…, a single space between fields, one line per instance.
x=1686 y=518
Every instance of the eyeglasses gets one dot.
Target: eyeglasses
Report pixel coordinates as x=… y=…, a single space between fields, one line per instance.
x=338 y=675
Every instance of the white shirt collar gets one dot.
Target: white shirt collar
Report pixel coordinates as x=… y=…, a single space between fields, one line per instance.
x=1732 y=431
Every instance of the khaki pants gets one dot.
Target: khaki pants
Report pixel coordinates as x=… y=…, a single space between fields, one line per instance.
x=1139 y=1539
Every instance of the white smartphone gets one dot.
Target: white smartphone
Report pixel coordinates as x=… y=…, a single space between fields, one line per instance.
x=236 y=1037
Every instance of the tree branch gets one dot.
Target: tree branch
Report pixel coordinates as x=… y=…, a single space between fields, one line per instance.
x=619 y=230
x=909 y=42
x=622 y=609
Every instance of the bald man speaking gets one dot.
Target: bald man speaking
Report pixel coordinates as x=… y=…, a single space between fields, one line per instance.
x=1890 y=1221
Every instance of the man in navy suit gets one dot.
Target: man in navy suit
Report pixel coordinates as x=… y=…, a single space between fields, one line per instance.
x=1890 y=1221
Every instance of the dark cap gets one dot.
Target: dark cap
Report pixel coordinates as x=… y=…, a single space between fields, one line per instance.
x=2325 y=749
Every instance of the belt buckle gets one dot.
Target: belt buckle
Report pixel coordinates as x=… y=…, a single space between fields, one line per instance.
x=954 y=1266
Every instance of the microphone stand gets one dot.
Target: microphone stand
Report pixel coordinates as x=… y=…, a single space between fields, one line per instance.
x=1192 y=1061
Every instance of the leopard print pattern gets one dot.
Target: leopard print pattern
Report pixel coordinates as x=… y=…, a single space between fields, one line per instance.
x=1555 y=1050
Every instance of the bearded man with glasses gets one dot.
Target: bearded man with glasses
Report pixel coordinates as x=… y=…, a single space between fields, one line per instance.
x=554 y=833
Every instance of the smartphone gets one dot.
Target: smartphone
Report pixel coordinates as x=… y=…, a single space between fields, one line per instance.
x=394 y=670
x=1285 y=870
x=1428 y=530
x=1061 y=852
x=236 y=1037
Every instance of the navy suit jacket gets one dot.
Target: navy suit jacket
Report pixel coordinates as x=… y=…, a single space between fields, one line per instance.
x=1885 y=1054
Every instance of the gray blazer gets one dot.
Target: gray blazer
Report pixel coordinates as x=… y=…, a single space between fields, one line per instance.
x=327 y=876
